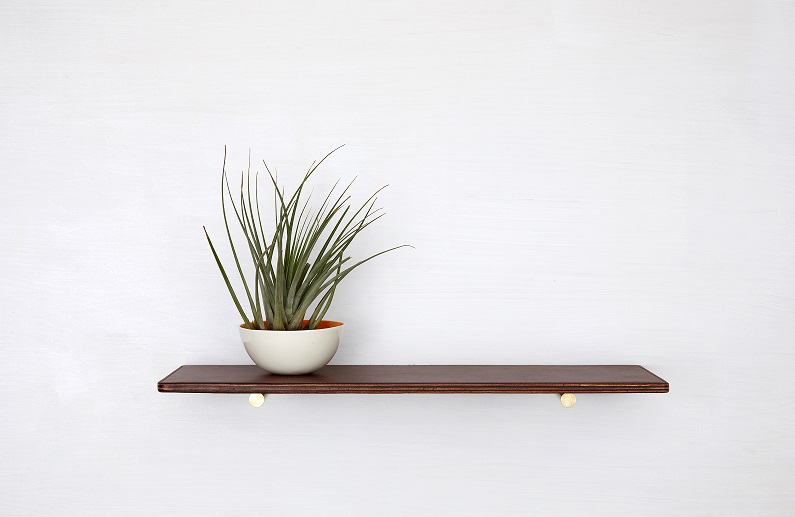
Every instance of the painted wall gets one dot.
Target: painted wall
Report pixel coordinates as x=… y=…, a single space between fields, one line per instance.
x=606 y=182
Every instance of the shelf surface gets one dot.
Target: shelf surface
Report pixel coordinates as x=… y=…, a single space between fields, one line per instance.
x=417 y=379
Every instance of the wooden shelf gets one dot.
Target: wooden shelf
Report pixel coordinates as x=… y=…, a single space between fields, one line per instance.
x=417 y=379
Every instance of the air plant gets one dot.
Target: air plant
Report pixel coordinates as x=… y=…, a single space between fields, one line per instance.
x=305 y=259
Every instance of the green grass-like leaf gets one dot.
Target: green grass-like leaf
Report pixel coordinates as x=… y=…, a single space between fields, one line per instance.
x=302 y=263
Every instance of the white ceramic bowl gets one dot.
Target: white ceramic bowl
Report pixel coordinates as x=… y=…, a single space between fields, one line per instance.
x=292 y=352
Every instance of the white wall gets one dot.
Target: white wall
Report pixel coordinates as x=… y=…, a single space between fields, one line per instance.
x=585 y=182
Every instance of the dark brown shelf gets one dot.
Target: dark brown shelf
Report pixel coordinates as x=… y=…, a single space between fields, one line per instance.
x=417 y=379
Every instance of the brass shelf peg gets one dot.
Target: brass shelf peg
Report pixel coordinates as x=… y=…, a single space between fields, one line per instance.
x=256 y=399
x=568 y=399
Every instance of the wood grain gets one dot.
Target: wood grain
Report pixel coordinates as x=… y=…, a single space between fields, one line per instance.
x=417 y=379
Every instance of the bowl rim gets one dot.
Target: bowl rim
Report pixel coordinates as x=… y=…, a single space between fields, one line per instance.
x=326 y=325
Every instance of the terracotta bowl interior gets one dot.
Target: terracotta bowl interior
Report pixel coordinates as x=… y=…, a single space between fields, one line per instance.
x=324 y=324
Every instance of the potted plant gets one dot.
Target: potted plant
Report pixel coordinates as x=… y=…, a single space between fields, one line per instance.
x=296 y=268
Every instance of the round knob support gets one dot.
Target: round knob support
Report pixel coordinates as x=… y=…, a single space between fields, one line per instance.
x=256 y=399
x=568 y=399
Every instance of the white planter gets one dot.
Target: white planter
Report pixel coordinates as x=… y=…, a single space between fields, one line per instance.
x=292 y=352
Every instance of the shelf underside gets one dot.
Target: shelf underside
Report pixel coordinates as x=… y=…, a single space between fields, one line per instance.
x=417 y=379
